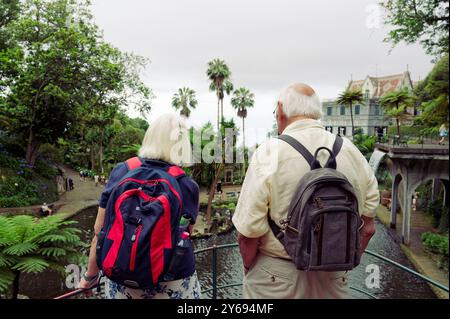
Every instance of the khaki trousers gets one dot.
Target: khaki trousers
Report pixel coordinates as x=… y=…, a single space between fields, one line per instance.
x=276 y=278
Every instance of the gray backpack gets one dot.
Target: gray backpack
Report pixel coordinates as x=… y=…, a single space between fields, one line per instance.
x=321 y=232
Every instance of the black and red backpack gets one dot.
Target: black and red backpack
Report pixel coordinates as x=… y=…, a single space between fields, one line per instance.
x=140 y=231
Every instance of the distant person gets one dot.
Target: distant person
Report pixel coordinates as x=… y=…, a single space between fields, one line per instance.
x=275 y=171
x=96 y=179
x=71 y=187
x=46 y=210
x=219 y=187
x=443 y=132
x=380 y=134
x=138 y=268
x=81 y=176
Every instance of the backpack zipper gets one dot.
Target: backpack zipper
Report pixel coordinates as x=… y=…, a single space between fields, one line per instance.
x=134 y=240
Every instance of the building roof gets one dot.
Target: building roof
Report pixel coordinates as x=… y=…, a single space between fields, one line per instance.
x=384 y=84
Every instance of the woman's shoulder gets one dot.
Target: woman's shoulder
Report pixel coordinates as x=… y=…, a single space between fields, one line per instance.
x=188 y=182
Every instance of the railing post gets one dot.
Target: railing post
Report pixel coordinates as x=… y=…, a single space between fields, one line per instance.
x=214 y=272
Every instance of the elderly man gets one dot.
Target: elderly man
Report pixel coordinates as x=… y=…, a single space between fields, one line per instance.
x=270 y=182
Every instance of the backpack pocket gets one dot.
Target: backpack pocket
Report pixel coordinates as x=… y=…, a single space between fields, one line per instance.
x=333 y=239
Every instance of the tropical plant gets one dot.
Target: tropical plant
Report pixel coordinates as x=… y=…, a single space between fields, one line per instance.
x=349 y=98
x=432 y=94
x=396 y=105
x=242 y=100
x=32 y=245
x=184 y=100
x=219 y=74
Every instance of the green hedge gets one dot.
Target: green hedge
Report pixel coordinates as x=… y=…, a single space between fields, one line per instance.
x=436 y=243
x=406 y=130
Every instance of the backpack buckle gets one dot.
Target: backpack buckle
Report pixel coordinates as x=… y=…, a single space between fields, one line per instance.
x=284 y=222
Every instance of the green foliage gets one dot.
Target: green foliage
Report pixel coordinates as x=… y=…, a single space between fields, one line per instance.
x=365 y=143
x=20 y=186
x=423 y=21
x=184 y=100
x=63 y=79
x=410 y=130
x=396 y=104
x=433 y=95
x=435 y=209
x=436 y=243
x=32 y=245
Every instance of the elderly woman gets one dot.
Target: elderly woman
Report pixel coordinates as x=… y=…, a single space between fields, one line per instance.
x=165 y=144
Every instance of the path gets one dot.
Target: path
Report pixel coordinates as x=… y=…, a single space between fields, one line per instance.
x=415 y=251
x=84 y=195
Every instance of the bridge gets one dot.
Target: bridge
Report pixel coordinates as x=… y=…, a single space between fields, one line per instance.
x=410 y=167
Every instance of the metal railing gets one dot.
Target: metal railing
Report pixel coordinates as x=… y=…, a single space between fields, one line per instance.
x=214 y=289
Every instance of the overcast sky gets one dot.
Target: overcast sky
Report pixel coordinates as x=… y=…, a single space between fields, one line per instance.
x=268 y=44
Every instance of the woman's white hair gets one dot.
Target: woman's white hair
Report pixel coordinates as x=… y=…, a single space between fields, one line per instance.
x=167 y=139
x=296 y=103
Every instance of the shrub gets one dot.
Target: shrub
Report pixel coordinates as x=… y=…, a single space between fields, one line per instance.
x=8 y=161
x=436 y=243
x=434 y=209
x=45 y=170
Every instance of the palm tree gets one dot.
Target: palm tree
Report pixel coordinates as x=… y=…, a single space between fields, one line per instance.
x=348 y=98
x=219 y=74
x=184 y=100
x=241 y=100
x=32 y=245
x=396 y=104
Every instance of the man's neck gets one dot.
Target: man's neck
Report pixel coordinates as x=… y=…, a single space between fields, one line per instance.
x=297 y=118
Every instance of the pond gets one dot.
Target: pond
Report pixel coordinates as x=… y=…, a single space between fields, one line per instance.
x=394 y=283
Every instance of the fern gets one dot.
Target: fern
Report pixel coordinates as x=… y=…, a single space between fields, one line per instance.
x=6 y=279
x=20 y=249
x=32 y=245
x=31 y=265
x=52 y=251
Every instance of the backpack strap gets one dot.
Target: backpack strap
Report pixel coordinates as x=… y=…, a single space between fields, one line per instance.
x=337 y=146
x=176 y=172
x=133 y=163
x=313 y=163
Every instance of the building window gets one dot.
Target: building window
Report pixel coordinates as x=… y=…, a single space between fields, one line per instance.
x=329 y=110
x=366 y=95
x=342 y=110
x=329 y=129
x=342 y=130
x=377 y=110
x=357 y=109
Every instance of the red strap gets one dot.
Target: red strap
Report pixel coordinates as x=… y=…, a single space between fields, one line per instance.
x=175 y=171
x=133 y=163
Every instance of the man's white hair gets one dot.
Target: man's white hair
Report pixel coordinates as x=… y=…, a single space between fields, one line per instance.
x=167 y=139
x=296 y=103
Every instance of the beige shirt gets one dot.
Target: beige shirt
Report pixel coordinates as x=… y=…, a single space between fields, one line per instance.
x=273 y=175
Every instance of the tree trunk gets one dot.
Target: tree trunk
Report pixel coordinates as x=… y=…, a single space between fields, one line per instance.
x=243 y=145
x=212 y=190
x=218 y=115
x=353 y=125
x=101 y=152
x=92 y=157
x=397 y=121
x=221 y=110
x=32 y=149
x=15 y=286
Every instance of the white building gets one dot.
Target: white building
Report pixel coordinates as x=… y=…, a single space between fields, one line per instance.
x=368 y=116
